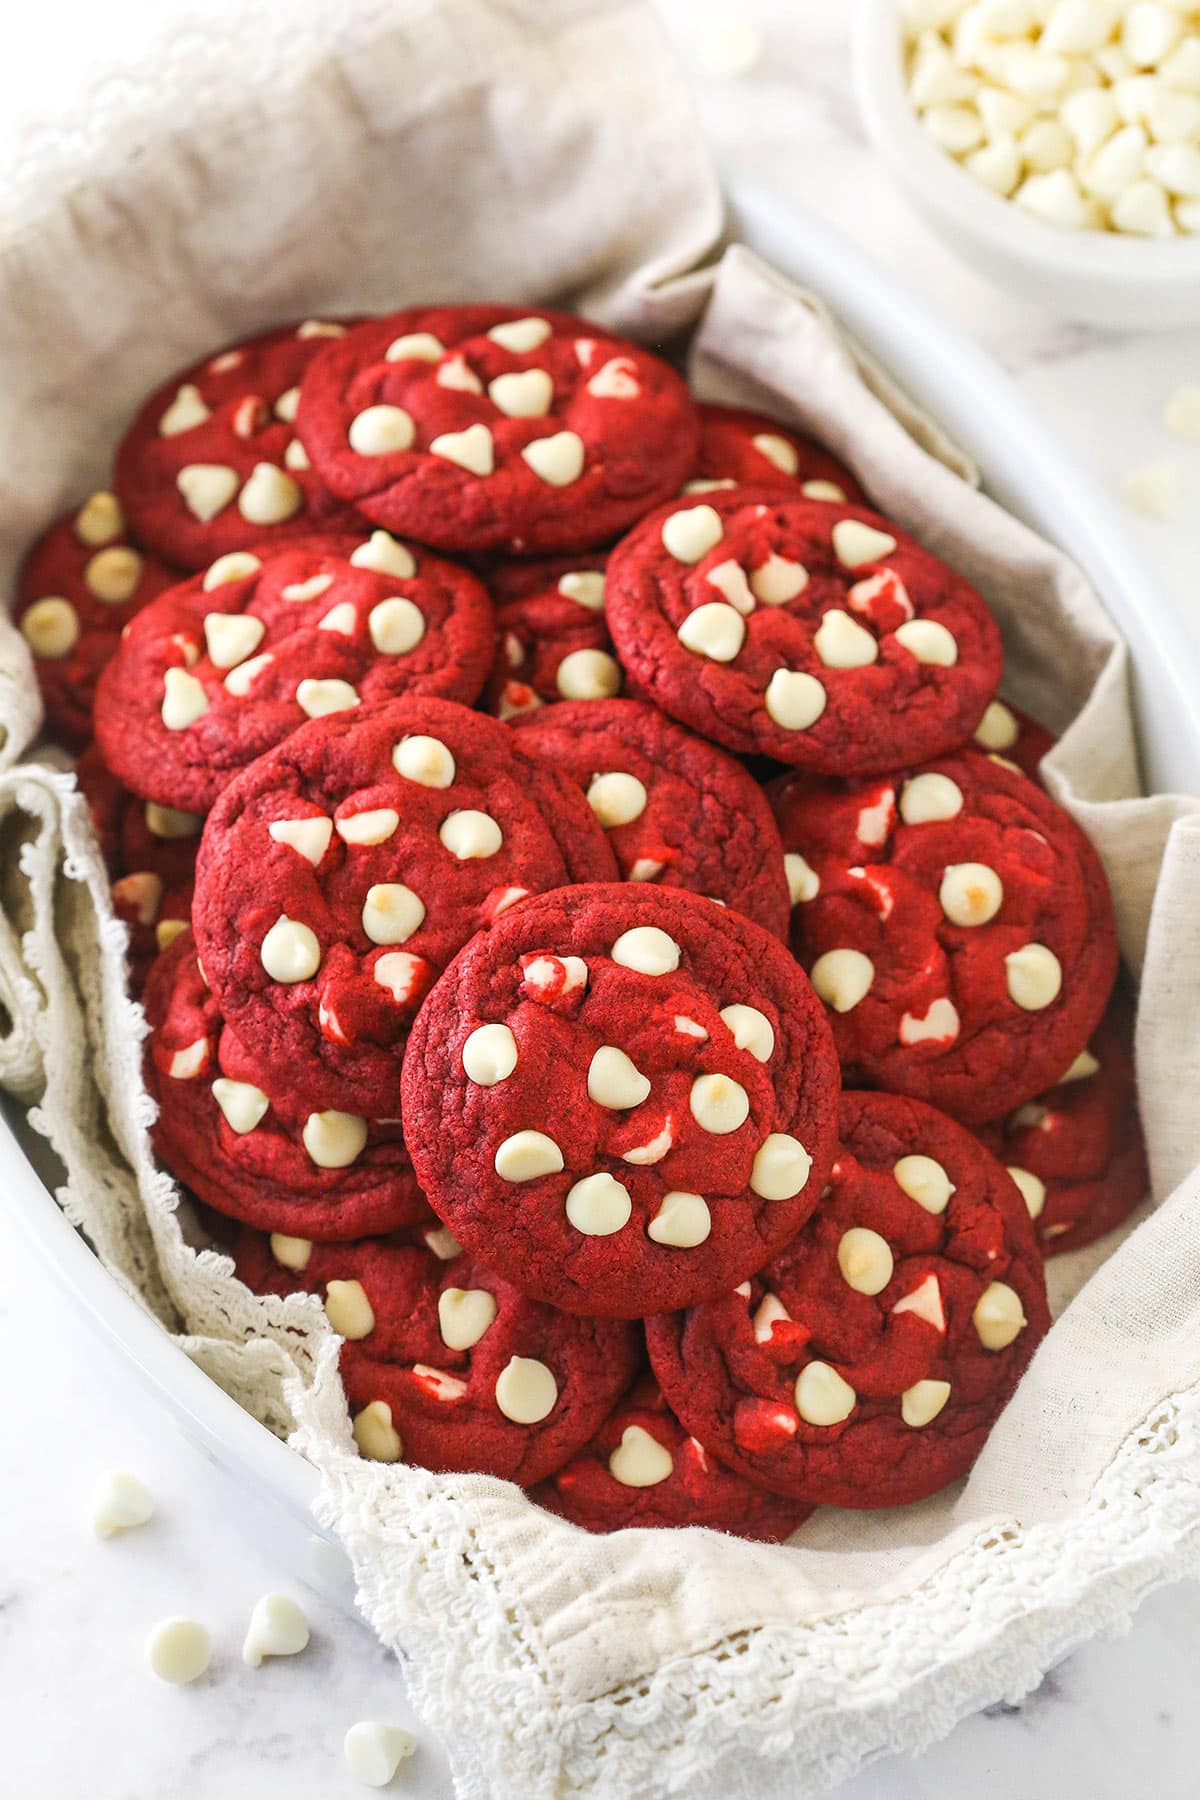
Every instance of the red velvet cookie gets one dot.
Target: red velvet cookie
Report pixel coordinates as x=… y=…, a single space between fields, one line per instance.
x=821 y=635
x=642 y=1468
x=340 y=872
x=866 y=1364
x=678 y=811
x=150 y=853
x=552 y=642
x=227 y=664
x=1009 y=734
x=624 y=1097
x=485 y=427
x=740 y=448
x=79 y=586
x=446 y=1365
x=1076 y=1152
x=956 y=922
x=210 y=463
x=267 y=1159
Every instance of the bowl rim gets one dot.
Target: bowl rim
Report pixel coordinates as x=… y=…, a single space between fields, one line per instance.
x=876 y=49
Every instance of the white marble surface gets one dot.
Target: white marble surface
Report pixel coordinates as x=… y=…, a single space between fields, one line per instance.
x=79 y=1714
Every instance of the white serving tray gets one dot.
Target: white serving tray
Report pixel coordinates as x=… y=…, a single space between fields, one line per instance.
x=1025 y=470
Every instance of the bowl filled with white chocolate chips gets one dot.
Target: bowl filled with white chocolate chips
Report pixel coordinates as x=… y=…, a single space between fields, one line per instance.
x=1056 y=143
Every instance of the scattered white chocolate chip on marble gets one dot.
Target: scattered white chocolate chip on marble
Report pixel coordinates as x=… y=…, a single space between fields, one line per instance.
x=526 y=1391
x=179 y=1650
x=374 y=1752
x=277 y=1627
x=122 y=1502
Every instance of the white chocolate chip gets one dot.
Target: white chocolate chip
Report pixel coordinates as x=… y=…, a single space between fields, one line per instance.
x=822 y=490
x=855 y=543
x=374 y=1752
x=729 y=579
x=1034 y=977
x=1033 y=1189
x=243 y=1105
x=277 y=1627
x=290 y=951
x=231 y=637
x=403 y=975
x=334 y=1139
x=998 y=1316
x=997 y=730
x=924 y=1181
x=391 y=913
x=689 y=1027
x=719 y=1104
x=640 y=1461
x=179 y=1650
x=521 y=335
x=206 y=488
x=187 y=1063
x=320 y=328
x=585 y=587
x=526 y=1391
x=121 y=1503
x=752 y=1030
x=186 y=410
x=682 y=1221
x=236 y=566
x=930 y=797
x=996 y=164
x=616 y=798
x=770 y=1310
x=287 y=405
x=925 y=1302
x=443 y=1244
x=778 y=580
x=312 y=589
x=415 y=346
x=524 y=395
x=239 y=681
x=556 y=460
x=842 y=978
x=348 y=1310
x=375 y=1435
x=794 y=699
x=270 y=496
x=464 y=1314
x=803 y=881
x=970 y=893
x=842 y=643
x=381 y=431
x=470 y=835
x=645 y=868
x=489 y=1055
x=939 y=1023
x=865 y=1260
x=342 y=618
x=167 y=930
x=319 y=698
x=527 y=1156
x=374 y=826
x=614 y=1081
x=648 y=950
x=457 y=374
x=715 y=630
x=1153 y=490
x=781 y=1168
x=923 y=1401
x=396 y=625
x=615 y=380
x=1143 y=209
x=142 y=892
x=653 y=1151
x=184 y=700
x=51 y=627
x=386 y=555
x=471 y=449
x=822 y=1397
x=928 y=641
x=598 y=1205
x=424 y=760
x=100 y=519
x=113 y=574
x=692 y=533
x=777 y=450
x=588 y=675
x=1181 y=414
x=1085 y=1064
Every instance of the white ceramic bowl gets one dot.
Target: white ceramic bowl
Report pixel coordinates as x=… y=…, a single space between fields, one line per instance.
x=1103 y=277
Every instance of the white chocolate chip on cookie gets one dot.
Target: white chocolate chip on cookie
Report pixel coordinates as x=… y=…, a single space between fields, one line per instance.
x=526 y=1391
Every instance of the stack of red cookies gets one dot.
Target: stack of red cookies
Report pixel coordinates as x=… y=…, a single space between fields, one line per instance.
x=519 y=1033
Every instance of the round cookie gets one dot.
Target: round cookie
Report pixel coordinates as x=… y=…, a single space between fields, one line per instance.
x=956 y=923
x=211 y=463
x=340 y=872
x=150 y=854
x=866 y=1364
x=268 y=1160
x=485 y=427
x=78 y=587
x=1076 y=1152
x=552 y=643
x=740 y=448
x=449 y=1367
x=642 y=1468
x=624 y=1097
x=678 y=811
x=225 y=665
x=1012 y=736
x=818 y=634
